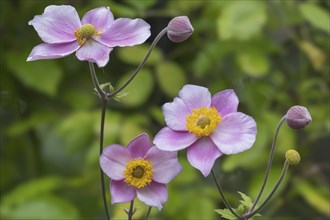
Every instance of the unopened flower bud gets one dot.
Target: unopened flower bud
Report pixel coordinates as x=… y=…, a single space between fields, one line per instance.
x=293 y=157
x=298 y=117
x=179 y=29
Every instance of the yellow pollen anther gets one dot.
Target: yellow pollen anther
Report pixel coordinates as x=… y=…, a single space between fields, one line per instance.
x=138 y=173
x=202 y=121
x=85 y=32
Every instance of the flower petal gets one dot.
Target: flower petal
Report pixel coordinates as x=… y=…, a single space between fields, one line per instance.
x=175 y=114
x=52 y=51
x=154 y=194
x=113 y=161
x=139 y=146
x=225 y=102
x=93 y=51
x=195 y=96
x=165 y=165
x=100 y=17
x=202 y=155
x=170 y=140
x=121 y=192
x=126 y=32
x=57 y=24
x=235 y=133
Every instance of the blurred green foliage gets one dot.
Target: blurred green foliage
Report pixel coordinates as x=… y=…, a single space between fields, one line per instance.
x=275 y=54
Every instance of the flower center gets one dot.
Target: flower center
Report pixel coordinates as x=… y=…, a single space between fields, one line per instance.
x=202 y=121
x=85 y=32
x=138 y=173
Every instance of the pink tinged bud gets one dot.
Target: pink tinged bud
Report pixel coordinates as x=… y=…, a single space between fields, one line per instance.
x=298 y=117
x=179 y=29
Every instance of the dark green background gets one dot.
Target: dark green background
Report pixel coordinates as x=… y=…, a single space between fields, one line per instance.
x=275 y=54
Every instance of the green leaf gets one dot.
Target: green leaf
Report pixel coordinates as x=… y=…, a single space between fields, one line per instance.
x=171 y=78
x=141 y=5
x=31 y=189
x=43 y=76
x=35 y=120
x=45 y=207
x=225 y=213
x=138 y=90
x=75 y=130
x=312 y=196
x=134 y=55
x=316 y=15
x=129 y=130
x=241 y=19
x=253 y=62
x=157 y=114
x=246 y=201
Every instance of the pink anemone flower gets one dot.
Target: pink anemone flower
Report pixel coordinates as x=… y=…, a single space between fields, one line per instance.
x=208 y=126
x=92 y=38
x=139 y=170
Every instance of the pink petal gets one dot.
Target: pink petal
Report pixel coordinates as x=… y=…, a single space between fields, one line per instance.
x=139 y=146
x=195 y=96
x=93 y=51
x=235 y=133
x=57 y=24
x=170 y=140
x=52 y=51
x=225 y=102
x=165 y=165
x=175 y=114
x=121 y=192
x=113 y=161
x=154 y=194
x=202 y=155
x=126 y=32
x=100 y=17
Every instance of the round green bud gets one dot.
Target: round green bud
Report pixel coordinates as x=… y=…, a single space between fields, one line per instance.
x=293 y=157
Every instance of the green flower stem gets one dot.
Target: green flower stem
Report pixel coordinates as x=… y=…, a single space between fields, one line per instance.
x=130 y=212
x=95 y=81
x=284 y=170
x=148 y=213
x=152 y=46
x=223 y=195
x=103 y=112
x=269 y=163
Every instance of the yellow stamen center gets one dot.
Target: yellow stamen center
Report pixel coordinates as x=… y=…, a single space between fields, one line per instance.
x=138 y=173
x=85 y=32
x=202 y=121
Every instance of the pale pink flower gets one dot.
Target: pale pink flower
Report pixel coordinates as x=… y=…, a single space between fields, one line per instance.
x=139 y=170
x=209 y=126
x=92 y=38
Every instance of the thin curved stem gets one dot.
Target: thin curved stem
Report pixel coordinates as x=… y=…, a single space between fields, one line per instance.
x=278 y=183
x=148 y=213
x=95 y=81
x=152 y=46
x=223 y=195
x=130 y=212
x=103 y=113
x=269 y=163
